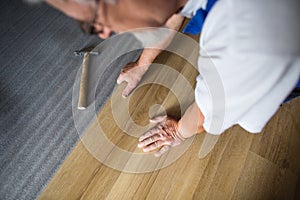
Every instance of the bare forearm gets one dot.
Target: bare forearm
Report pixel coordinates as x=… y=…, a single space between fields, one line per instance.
x=191 y=122
x=148 y=55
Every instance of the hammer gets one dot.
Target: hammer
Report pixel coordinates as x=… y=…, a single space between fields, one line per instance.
x=82 y=101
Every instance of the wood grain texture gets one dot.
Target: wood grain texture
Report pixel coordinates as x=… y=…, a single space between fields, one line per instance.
x=240 y=166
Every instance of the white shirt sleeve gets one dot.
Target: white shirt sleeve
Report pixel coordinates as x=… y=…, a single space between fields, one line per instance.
x=249 y=62
x=192 y=6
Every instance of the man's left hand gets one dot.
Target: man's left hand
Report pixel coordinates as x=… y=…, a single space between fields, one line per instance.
x=162 y=137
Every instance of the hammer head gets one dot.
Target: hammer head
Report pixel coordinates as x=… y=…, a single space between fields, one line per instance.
x=86 y=50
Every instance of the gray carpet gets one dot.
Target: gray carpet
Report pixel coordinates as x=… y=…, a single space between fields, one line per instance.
x=37 y=74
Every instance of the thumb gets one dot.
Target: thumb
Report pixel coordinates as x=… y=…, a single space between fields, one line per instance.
x=158 y=119
x=163 y=150
x=120 y=79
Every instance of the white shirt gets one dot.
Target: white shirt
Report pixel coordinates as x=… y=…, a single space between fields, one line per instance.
x=249 y=61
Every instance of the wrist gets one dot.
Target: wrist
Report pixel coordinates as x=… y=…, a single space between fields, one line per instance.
x=144 y=63
x=191 y=122
x=184 y=132
x=145 y=60
x=148 y=56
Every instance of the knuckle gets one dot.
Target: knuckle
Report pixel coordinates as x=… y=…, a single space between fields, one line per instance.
x=157 y=137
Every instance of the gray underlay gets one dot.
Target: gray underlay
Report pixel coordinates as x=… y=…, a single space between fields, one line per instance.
x=37 y=74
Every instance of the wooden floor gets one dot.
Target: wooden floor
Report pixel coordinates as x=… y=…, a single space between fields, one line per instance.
x=240 y=166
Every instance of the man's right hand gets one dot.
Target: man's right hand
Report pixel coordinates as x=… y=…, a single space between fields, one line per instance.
x=132 y=73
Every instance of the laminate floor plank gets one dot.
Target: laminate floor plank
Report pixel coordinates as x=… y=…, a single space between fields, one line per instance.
x=73 y=178
x=240 y=166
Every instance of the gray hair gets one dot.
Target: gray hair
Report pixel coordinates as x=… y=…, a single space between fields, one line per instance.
x=79 y=1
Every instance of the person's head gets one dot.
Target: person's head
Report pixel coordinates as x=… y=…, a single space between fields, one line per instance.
x=107 y=16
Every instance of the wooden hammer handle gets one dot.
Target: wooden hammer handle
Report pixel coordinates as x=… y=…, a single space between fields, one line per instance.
x=82 y=101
